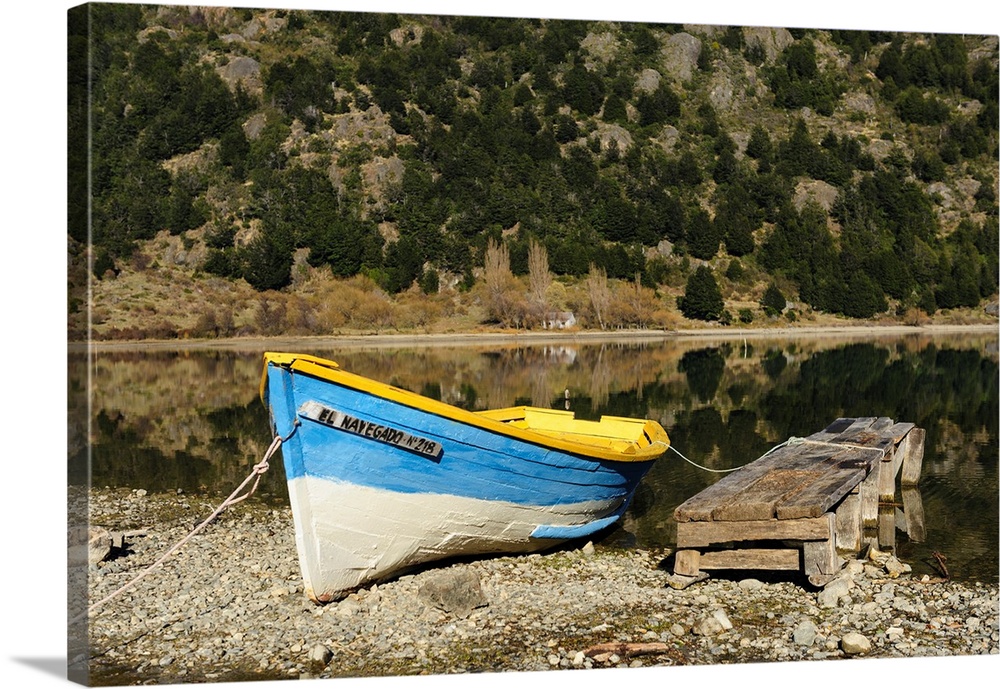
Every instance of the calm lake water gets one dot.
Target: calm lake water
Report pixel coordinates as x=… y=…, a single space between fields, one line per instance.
x=192 y=419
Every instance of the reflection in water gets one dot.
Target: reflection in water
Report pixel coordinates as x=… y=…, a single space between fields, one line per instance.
x=192 y=420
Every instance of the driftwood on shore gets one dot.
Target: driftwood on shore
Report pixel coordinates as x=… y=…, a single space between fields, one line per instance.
x=625 y=650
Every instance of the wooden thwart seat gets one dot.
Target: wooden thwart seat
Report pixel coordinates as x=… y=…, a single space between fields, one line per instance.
x=801 y=505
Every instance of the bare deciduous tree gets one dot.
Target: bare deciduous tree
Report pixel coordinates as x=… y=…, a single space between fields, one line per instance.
x=503 y=304
x=599 y=293
x=539 y=279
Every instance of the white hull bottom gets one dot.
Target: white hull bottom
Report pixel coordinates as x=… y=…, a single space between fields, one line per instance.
x=348 y=535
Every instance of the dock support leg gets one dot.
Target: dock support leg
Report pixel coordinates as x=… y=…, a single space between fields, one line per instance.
x=912 y=447
x=687 y=562
x=869 y=500
x=886 y=470
x=848 y=523
x=820 y=557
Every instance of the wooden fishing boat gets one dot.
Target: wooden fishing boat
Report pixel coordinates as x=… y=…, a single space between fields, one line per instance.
x=381 y=479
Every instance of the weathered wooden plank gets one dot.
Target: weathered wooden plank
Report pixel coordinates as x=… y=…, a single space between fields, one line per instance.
x=842 y=474
x=898 y=431
x=913 y=456
x=697 y=534
x=848 y=523
x=758 y=500
x=754 y=558
x=712 y=502
x=853 y=431
x=824 y=492
x=881 y=424
x=788 y=494
x=687 y=562
x=699 y=507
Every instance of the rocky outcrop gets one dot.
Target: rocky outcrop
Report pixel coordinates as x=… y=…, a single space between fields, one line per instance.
x=770 y=40
x=602 y=46
x=614 y=136
x=680 y=56
x=242 y=71
x=816 y=191
x=648 y=81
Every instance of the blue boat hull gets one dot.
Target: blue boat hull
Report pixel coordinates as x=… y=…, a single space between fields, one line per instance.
x=378 y=486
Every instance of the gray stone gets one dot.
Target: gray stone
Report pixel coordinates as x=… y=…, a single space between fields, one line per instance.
x=320 y=654
x=680 y=581
x=723 y=619
x=455 y=591
x=805 y=633
x=348 y=607
x=831 y=594
x=98 y=544
x=859 y=102
x=601 y=46
x=894 y=567
x=709 y=626
x=854 y=568
x=855 y=644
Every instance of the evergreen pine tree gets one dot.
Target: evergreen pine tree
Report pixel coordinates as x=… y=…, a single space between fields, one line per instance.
x=702 y=299
x=773 y=302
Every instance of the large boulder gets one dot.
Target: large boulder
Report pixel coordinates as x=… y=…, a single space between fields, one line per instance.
x=680 y=55
x=242 y=71
x=771 y=41
x=454 y=591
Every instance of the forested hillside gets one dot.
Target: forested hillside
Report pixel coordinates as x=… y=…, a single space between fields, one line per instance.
x=257 y=171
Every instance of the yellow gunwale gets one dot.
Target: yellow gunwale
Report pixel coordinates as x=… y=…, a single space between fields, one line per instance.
x=605 y=439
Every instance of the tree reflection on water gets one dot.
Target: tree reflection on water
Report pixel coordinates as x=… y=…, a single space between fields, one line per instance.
x=192 y=420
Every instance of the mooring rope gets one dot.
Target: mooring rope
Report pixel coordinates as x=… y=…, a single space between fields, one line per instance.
x=794 y=440
x=806 y=441
x=695 y=464
x=255 y=475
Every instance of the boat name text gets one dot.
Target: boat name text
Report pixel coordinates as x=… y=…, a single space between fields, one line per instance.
x=369 y=429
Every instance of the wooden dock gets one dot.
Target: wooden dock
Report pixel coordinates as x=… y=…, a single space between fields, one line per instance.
x=805 y=503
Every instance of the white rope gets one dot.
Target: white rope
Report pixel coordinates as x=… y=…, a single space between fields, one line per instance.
x=704 y=468
x=258 y=470
x=791 y=441
x=806 y=441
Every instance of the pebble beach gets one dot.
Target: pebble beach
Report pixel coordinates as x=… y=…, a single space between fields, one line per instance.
x=229 y=606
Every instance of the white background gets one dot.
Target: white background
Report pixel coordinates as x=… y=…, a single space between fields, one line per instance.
x=33 y=231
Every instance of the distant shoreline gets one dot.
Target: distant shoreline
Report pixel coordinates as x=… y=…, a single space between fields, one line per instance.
x=494 y=338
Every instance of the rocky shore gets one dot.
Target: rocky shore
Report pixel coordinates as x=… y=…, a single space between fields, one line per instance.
x=230 y=606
